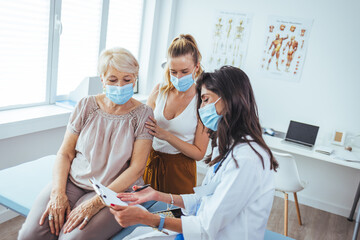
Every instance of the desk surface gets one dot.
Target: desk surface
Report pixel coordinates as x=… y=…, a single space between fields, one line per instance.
x=277 y=144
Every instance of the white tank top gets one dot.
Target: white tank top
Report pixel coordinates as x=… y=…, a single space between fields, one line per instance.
x=182 y=126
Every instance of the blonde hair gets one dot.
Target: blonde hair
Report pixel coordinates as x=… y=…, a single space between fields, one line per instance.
x=118 y=58
x=182 y=45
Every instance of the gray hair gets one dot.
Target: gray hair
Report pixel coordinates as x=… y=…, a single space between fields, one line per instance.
x=118 y=58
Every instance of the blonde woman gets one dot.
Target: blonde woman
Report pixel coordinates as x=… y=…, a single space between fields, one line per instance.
x=106 y=138
x=180 y=138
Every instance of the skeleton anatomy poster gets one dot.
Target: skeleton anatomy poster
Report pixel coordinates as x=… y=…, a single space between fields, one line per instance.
x=229 y=40
x=284 y=50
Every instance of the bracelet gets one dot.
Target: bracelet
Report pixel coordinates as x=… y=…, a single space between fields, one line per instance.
x=172 y=202
x=162 y=221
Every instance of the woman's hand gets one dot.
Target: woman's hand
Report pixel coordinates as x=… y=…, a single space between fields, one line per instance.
x=131 y=215
x=82 y=214
x=142 y=196
x=56 y=209
x=155 y=130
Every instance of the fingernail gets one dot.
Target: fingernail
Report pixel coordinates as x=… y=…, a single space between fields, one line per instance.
x=113 y=205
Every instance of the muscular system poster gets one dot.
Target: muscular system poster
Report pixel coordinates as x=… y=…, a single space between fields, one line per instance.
x=285 y=45
x=230 y=38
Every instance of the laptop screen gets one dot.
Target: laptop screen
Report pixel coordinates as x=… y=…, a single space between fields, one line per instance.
x=302 y=133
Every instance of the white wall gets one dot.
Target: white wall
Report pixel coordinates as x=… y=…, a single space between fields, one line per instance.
x=327 y=94
x=17 y=150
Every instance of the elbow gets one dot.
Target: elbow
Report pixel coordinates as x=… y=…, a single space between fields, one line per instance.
x=139 y=172
x=199 y=156
x=68 y=157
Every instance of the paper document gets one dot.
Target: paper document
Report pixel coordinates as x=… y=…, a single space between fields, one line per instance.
x=150 y=233
x=107 y=195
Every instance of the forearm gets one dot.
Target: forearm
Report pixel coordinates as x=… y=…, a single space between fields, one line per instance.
x=190 y=150
x=173 y=224
x=165 y=197
x=126 y=179
x=61 y=172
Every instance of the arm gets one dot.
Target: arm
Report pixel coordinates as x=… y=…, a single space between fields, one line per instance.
x=195 y=151
x=63 y=161
x=287 y=44
x=149 y=194
x=153 y=95
x=272 y=43
x=89 y=208
x=59 y=205
x=141 y=151
x=130 y=215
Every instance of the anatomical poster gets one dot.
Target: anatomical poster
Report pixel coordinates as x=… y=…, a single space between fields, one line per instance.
x=284 y=50
x=230 y=38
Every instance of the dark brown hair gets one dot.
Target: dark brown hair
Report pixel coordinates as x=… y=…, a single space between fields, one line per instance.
x=240 y=115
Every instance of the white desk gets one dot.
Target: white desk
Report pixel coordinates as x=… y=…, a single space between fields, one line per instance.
x=277 y=143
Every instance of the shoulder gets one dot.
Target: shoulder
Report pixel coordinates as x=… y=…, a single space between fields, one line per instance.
x=153 y=96
x=143 y=111
x=87 y=102
x=244 y=154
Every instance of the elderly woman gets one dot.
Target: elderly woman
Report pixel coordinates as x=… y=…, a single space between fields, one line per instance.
x=106 y=138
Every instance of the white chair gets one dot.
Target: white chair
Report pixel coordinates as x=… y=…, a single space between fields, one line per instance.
x=287 y=180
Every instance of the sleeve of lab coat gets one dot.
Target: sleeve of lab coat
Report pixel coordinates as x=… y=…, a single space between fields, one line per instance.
x=229 y=199
x=191 y=201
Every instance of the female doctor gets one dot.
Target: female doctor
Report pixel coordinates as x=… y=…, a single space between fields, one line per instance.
x=236 y=196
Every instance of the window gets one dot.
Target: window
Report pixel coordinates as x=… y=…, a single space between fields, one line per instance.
x=48 y=47
x=124 y=25
x=24 y=28
x=79 y=42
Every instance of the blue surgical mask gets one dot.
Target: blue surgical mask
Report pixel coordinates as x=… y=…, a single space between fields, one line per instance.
x=209 y=116
x=182 y=84
x=119 y=95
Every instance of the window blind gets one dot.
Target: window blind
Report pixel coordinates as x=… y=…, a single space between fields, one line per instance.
x=79 y=42
x=24 y=33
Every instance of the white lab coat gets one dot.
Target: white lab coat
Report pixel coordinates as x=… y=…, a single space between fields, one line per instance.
x=240 y=205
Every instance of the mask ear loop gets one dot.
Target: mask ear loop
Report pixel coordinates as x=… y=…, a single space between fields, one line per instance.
x=217 y=100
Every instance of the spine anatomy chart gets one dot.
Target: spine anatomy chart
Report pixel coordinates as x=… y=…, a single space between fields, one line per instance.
x=229 y=40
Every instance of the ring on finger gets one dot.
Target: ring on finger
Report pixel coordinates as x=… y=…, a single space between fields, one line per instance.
x=86 y=219
x=51 y=217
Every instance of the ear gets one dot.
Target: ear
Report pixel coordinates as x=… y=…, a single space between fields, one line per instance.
x=136 y=78
x=197 y=67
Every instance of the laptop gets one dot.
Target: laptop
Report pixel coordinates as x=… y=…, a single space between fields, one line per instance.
x=302 y=133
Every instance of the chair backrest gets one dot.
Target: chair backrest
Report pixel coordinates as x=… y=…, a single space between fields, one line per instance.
x=287 y=176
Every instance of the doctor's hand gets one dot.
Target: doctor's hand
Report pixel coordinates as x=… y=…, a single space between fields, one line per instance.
x=155 y=130
x=55 y=211
x=129 y=215
x=142 y=196
x=82 y=214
